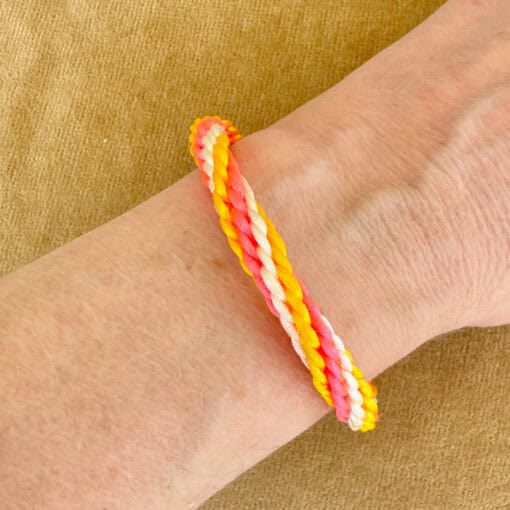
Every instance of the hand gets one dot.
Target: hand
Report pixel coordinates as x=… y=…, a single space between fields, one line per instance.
x=396 y=183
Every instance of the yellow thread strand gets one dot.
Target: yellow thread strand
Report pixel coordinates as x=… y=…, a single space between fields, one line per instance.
x=308 y=337
x=220 y=176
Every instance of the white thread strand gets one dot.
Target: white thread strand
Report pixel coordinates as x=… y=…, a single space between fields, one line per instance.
x=259 y=229
x=269 y=273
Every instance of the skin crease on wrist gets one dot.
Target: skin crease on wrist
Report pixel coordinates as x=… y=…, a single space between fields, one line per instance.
x=140 y=367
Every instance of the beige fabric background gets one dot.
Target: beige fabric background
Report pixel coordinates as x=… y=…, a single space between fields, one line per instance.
x=95 y=101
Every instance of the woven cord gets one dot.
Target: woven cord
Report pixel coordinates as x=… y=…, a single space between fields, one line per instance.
x=263 y=255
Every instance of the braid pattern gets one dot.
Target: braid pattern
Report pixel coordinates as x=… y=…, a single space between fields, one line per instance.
x=262 y=254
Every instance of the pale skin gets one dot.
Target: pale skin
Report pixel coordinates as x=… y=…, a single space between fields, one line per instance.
x=139 y=366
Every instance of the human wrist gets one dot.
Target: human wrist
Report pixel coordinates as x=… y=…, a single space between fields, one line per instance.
x=332 y=248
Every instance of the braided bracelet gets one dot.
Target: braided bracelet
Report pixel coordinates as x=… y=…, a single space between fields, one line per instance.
x=262 y=254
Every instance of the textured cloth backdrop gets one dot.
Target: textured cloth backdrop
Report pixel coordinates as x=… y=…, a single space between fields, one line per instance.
x=95 y=101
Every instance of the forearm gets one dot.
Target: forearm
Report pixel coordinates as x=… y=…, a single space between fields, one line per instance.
x=139 y=363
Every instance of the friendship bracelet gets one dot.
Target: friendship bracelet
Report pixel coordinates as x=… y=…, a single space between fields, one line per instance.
x=263 y=255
